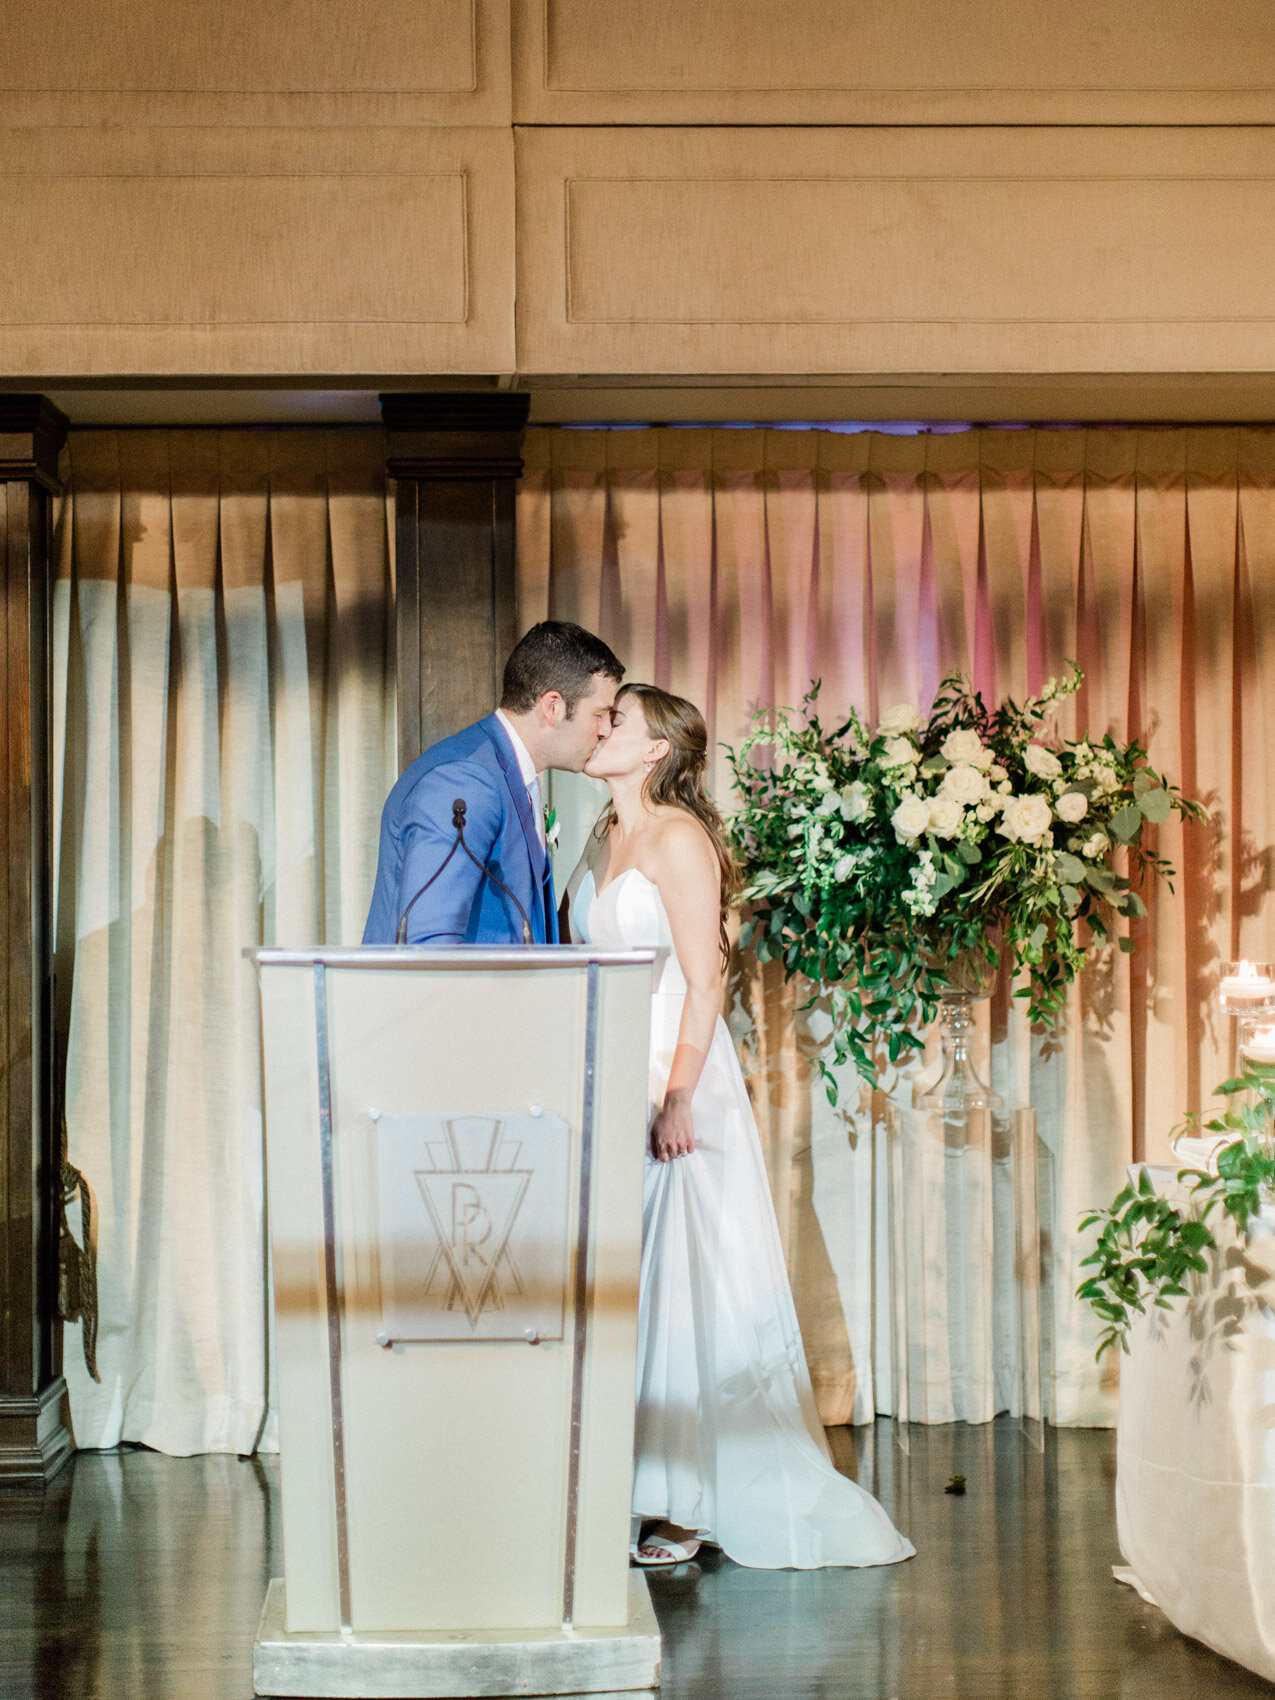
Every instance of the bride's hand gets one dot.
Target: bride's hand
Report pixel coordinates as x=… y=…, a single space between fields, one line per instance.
x=673 y=1130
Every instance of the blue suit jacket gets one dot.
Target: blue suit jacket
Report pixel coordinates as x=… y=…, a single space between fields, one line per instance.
x=462 y=907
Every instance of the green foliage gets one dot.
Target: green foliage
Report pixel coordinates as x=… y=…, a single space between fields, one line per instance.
x=1148 y=1246
x=886 y=865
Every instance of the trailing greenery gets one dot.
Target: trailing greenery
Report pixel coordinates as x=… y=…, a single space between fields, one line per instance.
x=889 y=864
x=1148 y=1246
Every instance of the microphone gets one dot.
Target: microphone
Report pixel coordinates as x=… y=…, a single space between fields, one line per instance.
x=459 y=811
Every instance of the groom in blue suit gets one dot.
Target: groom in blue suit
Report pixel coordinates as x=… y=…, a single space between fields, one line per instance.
x=555 y=708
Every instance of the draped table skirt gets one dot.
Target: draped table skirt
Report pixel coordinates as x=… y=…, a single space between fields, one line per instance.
x=1195 y=1482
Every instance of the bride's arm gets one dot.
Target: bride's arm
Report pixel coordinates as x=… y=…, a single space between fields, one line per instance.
x=690 y=887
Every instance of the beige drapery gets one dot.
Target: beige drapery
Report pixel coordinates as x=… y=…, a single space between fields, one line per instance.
x=735 y=566
x=224 y=742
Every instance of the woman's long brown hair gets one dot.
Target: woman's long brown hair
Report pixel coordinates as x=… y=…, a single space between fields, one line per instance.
x=677 y=780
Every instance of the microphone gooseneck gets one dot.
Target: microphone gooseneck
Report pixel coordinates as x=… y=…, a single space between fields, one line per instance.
x=459 y=813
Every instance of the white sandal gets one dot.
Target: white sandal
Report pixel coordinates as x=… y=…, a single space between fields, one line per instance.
x=680 y=1552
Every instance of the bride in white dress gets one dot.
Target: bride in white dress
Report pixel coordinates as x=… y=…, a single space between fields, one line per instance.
x=729 y=1448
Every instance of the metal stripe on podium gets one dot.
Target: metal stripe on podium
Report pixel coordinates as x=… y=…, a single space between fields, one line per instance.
x=581 y=1296
x=332 y=1294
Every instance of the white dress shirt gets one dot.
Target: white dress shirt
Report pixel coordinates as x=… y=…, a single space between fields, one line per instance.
x=530 y=778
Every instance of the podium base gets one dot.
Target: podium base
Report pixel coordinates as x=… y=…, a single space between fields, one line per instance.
x=456 y=1664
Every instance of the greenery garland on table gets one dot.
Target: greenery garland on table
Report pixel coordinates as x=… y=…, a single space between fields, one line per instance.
x=882 y=863
x=1147 y=1246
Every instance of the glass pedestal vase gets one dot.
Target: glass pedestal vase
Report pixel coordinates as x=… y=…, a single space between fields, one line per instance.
x=959 y=1087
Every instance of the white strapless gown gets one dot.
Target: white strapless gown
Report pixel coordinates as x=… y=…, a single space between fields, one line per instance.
x=728 y=1438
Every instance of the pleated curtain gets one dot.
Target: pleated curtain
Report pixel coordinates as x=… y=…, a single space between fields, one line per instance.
x=224 y=742
x=737 y=566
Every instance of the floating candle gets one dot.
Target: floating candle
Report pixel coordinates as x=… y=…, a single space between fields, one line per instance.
x=1259 y=1045
x=1247 y=983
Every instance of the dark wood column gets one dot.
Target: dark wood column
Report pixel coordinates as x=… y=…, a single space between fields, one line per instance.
x=34 y=1438
x=456 y=460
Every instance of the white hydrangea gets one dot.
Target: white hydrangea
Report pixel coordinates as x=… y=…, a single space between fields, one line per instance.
x=919 y=897
x=912 y=816
x=1072 y=806
x=903 y=717
x=965 y=747
x=1042 y=762
x=965 y=783
x=1026 y=819
x=946 y=815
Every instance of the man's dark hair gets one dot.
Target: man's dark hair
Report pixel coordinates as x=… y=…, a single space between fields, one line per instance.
x=555 y=656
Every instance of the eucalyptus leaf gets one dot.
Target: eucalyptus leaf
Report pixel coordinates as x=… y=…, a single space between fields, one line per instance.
x=1126 y=823
x=1070 y=868
x=1156 y=806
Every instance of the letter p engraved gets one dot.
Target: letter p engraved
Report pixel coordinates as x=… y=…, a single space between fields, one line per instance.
x=471 y=1224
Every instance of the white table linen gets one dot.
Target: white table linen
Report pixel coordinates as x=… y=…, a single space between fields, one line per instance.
x=1195 y=1482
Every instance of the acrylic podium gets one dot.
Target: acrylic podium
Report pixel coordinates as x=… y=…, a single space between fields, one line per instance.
x=454 y=1149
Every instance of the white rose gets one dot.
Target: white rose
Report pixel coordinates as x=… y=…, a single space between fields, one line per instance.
x=966 y=784
x=1027 y=819
x=903 y=717
x=946 y=815
x=898 y=752
x=1072 y=806
x=996 y=773
x=1042 y=762
x=985 y=811
x=855 y=801
x=964 y=746
x=1096 y=845
x=912 y=816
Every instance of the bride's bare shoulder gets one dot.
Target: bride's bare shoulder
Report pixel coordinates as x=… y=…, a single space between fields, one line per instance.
x=682 y=845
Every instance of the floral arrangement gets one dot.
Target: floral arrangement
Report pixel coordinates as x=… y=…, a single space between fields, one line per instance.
x=1148 y=1245
x=890 y=864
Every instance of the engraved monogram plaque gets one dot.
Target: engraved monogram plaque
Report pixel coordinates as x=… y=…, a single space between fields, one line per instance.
x=473 y=1226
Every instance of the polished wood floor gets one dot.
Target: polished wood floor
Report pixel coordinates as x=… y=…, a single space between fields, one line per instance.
x=140 y=1577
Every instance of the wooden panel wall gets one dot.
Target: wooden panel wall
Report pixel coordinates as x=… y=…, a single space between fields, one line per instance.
x=152 y=63
x=894 y=62
x=895 y=250
x=256 y=251
x=317 y=190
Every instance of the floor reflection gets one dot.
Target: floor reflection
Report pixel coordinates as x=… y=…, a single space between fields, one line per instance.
x=140 y=1577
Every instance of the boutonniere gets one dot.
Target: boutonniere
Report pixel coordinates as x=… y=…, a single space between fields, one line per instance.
x=552 y=828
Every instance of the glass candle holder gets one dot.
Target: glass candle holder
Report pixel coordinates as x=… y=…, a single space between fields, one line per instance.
x=1247 y=989
x=1257 y=1042
x=1257 y=1045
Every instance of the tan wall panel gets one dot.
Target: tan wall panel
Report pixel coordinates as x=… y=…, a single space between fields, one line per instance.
x=148 y=62
x=812 y=251
x=241 y=252
x=908 y=61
